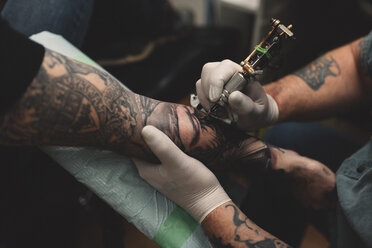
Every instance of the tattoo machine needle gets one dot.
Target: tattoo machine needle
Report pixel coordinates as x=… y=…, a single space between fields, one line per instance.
x=253 y=65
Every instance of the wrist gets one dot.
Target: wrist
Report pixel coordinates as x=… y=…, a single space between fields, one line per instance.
x=216 y=216
x=273 y=113
x=278 y=93
x=206 y=202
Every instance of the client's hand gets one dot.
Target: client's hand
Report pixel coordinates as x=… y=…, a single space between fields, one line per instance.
x=181 y=178
x=313 y=183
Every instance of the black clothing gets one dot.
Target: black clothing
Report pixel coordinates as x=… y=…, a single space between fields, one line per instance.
x=20 y=60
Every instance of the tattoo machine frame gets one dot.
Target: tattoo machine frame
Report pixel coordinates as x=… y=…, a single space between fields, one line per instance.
x=253 y=65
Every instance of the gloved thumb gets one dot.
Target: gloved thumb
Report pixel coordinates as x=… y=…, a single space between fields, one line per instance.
x=161 y=145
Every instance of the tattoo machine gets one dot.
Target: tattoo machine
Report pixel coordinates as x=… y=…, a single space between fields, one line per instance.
x=253 y=65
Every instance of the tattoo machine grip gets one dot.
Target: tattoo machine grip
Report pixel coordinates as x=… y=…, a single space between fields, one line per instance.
x=237 y=82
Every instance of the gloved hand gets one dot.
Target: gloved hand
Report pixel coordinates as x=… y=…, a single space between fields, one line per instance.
x=255 y=108
x=183 y=179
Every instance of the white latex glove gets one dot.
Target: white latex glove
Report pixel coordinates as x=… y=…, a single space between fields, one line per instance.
x=183 y=179
x=255 y=108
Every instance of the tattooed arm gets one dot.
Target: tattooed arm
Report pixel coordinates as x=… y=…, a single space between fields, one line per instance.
x=335 y=82
x=228 y=227
x=74 y=104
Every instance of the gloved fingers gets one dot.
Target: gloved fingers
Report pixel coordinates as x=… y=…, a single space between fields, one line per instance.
x=215 y=76
x=244 y=106
x=203 y=99
x=163 y=148
x=145 y=169
x=255 y=91
x=206 y=79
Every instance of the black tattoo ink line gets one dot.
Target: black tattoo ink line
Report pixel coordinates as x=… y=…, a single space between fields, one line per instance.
x=217 y=243
x=242 y=226
x=316 y=72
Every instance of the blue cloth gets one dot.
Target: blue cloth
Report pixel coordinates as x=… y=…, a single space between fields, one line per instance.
x=366 y=55
x=354 y=184
x=354 y=187
x=69 y=18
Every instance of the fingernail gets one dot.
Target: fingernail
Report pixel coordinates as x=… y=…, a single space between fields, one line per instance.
x=214 y=93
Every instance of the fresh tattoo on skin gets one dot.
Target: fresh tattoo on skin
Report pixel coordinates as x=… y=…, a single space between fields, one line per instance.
x=316 y=72
x=74 y=104
x=245 y=232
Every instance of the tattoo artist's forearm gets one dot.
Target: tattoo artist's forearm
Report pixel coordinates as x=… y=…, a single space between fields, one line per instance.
x=332 y=84
x=70 y=103
x=228 y=227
